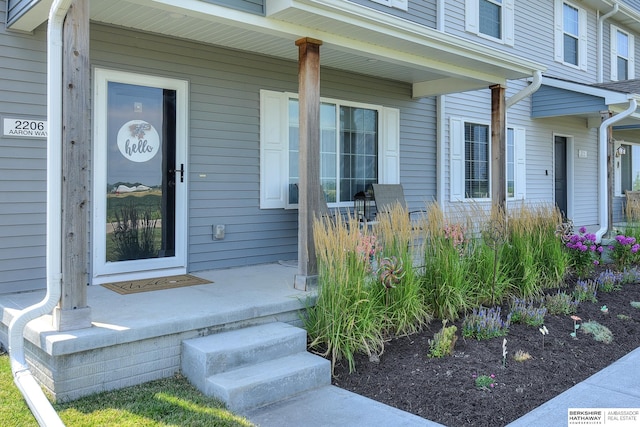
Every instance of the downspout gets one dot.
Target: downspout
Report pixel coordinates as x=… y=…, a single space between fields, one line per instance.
x=534 y=86
x=603 y=195
x=34 y=396
x=600 y=51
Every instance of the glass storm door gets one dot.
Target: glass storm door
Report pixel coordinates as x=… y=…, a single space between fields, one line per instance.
x=140 y=180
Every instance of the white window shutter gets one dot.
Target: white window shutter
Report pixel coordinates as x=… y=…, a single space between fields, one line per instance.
x=583 y=41
x=389 y=160
x=520 y=148
x=456 y=159
x=558 y=30
x=632 y=60
x=400 y=4
x=471 y=16
x=614 y=52
x=273 y=149
x=509 y=22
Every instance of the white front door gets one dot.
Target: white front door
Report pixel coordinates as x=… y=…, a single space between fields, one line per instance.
x=140 y=185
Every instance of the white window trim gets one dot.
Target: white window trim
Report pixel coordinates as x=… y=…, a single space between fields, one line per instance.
x=472 y=21
x=559 y=35
x=396 y=4
x=614 y=53
x=274 y=147
x=457 y=159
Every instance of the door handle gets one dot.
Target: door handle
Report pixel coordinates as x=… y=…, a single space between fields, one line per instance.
x=181 y=170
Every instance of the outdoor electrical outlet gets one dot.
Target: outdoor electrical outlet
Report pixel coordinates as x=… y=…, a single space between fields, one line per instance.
x=218 y=232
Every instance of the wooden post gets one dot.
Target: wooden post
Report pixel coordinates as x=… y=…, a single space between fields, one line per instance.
x=498 y=148
x=72 y=311
x=309 y=159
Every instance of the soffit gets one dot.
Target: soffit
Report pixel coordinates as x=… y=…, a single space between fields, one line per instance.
x=355 y=39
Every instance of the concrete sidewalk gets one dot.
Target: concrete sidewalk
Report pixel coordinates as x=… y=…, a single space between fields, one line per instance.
x=617 y=386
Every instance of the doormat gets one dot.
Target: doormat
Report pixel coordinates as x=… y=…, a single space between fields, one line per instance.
x=155 y=284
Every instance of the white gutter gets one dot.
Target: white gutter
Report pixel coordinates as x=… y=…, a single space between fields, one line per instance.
x=38 y=403
x=603 y=195
x=600 y=51
x=534 y=86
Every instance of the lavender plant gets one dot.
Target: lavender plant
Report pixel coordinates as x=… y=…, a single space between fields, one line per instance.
x=609 y=281
x=586 y=290
x=524 y=310
x=485 y=323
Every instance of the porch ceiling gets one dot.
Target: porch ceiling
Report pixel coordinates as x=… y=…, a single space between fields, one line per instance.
x=355 y=38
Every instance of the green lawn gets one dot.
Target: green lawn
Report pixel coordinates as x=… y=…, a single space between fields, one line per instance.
x=167 y=402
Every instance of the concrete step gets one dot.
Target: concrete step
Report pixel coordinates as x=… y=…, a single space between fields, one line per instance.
x=254 y=366
x=225 y=351
x=270 y=381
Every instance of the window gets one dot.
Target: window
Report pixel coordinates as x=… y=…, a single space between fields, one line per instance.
x=476 y=161
x=570 y=34
x=398 y=4
x=627 y=161
x=470 y=164
x=511 y=164
x=491 y=19
x=622 y=58
x=359 y=146
x=348 y=145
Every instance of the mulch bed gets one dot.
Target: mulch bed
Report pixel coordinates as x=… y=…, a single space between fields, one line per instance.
x=443 y=389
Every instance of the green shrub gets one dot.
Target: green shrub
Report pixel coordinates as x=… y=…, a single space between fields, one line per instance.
x=443 y=341
x=600 y=332
x=560 y=303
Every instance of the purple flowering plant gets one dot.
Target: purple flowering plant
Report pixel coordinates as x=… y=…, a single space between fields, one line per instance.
x=584 y=252
x=624 y=251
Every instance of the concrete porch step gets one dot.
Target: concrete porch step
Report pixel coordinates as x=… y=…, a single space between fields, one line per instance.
x=268 y=382
x=254 y=366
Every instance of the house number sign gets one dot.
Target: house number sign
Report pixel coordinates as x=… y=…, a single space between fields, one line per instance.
x=28 y=128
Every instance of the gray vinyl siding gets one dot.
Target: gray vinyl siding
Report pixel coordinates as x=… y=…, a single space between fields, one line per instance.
x=476 y=107
x=22 y=162
x=422 y=12
x=606 y=49
x=223 y=170
x=549 y=101
x=534 y=36
x=252 y=6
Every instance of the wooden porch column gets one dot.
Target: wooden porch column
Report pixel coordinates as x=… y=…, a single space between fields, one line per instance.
x=309 y=159
x=72 y=311
x=498 y=148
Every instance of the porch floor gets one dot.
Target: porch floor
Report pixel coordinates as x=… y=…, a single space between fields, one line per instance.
x=237 y=297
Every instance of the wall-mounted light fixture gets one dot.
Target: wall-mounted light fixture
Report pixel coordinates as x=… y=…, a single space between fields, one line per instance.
x=620 y=151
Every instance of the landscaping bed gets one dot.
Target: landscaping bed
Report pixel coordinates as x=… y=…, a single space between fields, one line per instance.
x=444 y=389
